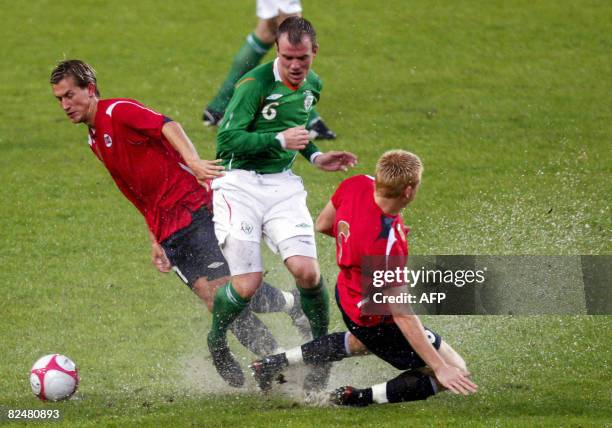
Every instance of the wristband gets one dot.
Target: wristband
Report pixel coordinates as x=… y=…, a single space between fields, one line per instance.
x=281 y=139
x=314 y=156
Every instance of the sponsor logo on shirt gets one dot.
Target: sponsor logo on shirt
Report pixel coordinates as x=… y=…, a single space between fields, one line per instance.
x=274 y=97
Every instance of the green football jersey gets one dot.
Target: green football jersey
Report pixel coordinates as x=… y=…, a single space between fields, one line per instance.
x=263 y=106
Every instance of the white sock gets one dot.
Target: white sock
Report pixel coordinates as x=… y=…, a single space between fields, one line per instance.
x=379 y=393
x=294 y=355
x=289 y=301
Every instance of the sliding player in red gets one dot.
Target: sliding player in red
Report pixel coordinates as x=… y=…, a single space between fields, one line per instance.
x=364 y=217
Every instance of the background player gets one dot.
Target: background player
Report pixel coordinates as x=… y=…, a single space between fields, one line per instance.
x=259 y=138
x=158 y=169
x=364 y=217
x=271 y=14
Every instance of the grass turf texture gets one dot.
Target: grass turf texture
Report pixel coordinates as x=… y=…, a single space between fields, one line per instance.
x=508 y=104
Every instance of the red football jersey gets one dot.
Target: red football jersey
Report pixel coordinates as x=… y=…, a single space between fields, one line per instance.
x=362 y=229
x=127 y=137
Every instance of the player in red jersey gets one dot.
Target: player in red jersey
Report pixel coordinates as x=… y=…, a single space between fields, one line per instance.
x=364 y=217
x=158 y=169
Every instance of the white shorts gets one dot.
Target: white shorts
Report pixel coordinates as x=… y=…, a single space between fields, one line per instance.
x=247 y=206
x=268 y=9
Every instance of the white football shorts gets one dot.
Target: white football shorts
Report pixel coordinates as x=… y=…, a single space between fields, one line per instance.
x=268 y=9
x=248 y=206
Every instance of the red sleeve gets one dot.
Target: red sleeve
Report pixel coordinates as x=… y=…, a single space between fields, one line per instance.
x=138 y=118
x=339 y=194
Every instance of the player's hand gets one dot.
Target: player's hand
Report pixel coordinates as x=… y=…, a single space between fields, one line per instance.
x=159 y=259
x=295 y=138
x=455 y=380
x=206 y=170
x=335 y=161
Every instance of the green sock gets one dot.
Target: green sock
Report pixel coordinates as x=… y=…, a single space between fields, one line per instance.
x=314 y=116
x=249 y=55
x=227 y=306
x=315 y=304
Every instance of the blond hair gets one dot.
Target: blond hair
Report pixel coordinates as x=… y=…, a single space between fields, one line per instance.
x=396 y=170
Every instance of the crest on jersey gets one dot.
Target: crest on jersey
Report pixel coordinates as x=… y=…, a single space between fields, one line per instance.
x=108 y=140
x=308 y=100
x=344 y=231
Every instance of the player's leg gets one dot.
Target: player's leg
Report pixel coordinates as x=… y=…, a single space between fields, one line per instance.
x=232 y=298
x=325 y=349
x=255 y=47
x=270 y=14
x=310 y=284
x=411 y=385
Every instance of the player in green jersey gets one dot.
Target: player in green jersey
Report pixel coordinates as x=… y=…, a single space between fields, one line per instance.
x=271 y=14
x=258 y=140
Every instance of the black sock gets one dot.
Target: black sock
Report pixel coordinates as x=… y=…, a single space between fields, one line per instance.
x=253 y=334
x=324 y=349
x=409 y=386
x=267 y=299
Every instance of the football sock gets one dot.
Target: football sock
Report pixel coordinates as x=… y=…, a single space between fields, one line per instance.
x=324 y=349
x=248 y=56
x=227 y=306
x=253 y=334
x=408 y=386
x=270 y=299
x=315 y=304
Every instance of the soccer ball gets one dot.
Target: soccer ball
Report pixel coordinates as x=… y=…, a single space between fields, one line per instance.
x=54 y=377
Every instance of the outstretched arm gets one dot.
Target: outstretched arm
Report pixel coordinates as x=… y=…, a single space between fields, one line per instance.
x=202 y=169
x=450 y=377
x=335 y=161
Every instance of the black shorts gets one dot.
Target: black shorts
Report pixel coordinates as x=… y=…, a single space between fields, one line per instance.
x=387 y=342
x=194 y=251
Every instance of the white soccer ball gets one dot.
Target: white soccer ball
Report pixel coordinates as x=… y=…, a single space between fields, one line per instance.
x=54 y=377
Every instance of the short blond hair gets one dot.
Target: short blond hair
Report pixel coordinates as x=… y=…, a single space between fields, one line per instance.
x=396 y=170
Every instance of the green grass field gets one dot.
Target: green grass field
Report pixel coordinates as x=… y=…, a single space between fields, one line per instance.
x=509 y=105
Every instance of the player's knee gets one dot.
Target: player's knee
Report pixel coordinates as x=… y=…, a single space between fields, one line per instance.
x=246 y=285
x=206 y=290
x=266 y=30
x=355 y=347
x=306 y=275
